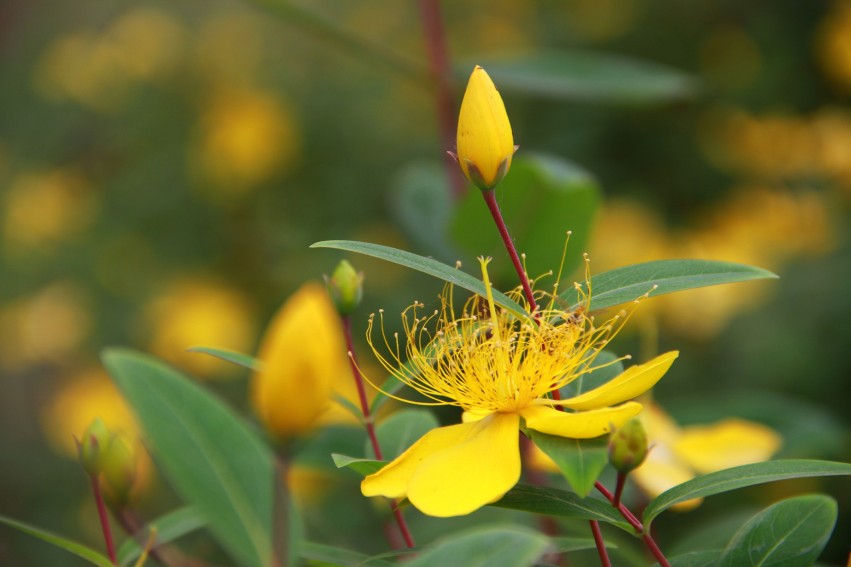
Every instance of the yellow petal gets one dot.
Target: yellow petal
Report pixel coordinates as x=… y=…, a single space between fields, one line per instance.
x=472 y=415
x=726 y=444
x=470 y=474
x=392 y=480
x=633 y=382
x=578 y=425
x=485 y=142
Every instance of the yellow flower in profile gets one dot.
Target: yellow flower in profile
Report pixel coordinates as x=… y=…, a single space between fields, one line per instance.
x=499 y=369
x=302 y=356
x=485 y=142
x=679 y=454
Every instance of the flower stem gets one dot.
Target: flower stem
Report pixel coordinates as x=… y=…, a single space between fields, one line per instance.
x=621 y=481
x=636 y=524
x=493 y=207
x=601 y=545
x=104 y=519
x=444 y=91
x=369 y=423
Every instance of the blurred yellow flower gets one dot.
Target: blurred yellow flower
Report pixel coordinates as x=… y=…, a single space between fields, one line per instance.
x=303 y=355
x=485 y=142
x=833 y=44
x=498 y=369
x=199 y=311
x=679 y=454
x=245 y=137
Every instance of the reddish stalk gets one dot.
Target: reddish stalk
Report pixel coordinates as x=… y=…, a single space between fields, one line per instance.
x=104 y=519
x=619 y=489
x=369 y=423
x=649 y=542
x=444 y=89
x=601 y=545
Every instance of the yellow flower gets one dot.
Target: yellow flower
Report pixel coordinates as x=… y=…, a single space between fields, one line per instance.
x=499 y=370
x=303 y=354
x=679 y=454
x=485 y=143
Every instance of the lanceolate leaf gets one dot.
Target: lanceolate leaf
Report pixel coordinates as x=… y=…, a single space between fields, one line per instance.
x=425 y=265
x=238 y=358
x=210 y=457
x=740 y=477
x=581 y=460
x=513 y=546
x=169 y=527
x=626 y=284
x=791 y=533
x=71 y=547
x=360 y=466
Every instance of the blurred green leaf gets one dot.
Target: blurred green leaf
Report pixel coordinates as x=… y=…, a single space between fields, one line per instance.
x=740 y=477
x=401 y=430
x=390 y=386
x=581 y=461
x=555 y=502
x=565 y=544
x=659 y=277
x=608 y=367
x=425 y=265
x=360 y=466
x=509 y=546
x=791 y=533
x=327 y=554
x=587 y=76
x=238 y=358
x=169 y=527
x=71 y=547
x=211 y=458
x=707 y=558
x=420 y=201
x=540 y=199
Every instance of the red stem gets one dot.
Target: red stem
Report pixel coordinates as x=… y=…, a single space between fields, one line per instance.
x=444 y=92
x=601 y=545
x=490 y=199
x=104 y=519
x=636 y=524
x=369 y=423
x=621 y=481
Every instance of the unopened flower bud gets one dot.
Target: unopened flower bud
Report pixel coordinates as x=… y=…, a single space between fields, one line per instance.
x=628 y=446
x=119 y=470
x=94 y=444
x=345 y=286
x=485 y=143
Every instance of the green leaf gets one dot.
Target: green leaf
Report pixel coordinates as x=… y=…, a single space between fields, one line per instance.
x=740 y=477
x=509 y=546
x=561 y=503
x=238 y=358
x=327 y=554
x=425 y=265
x=586 y=76
x=360 y=466
x=608 y=367
x=71 y=547
x=566 y=544
x=581 y=460
x=707 y=558
x=659 y=277
x=391 y=386
x=210 y=457
x=401 y=430
x=791 y=533
x=169 y=527
x=541 y=199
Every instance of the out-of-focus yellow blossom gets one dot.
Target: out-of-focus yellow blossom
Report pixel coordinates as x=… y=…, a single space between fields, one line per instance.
x=303 y=355
x=42 y=208
x=148 y=42
x=47 y=326
x=679 y=454
x=230 y=47
x=199 y=311
x=833 y=44
x=245 y=137
x=628 y=232
x=498 y=369
x=80 y=399
x=485 y=142
x=730 y=58
x=309 y=484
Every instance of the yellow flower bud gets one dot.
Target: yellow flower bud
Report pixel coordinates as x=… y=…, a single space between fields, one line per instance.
x=302 y=354
x=485 y=142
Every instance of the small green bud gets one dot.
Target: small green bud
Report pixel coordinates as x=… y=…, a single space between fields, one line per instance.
x=628 y=446
x=345 y=287
x=95 y=442
x=119 y=470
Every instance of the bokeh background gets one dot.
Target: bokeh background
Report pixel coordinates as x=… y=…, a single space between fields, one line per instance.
x=164 y=167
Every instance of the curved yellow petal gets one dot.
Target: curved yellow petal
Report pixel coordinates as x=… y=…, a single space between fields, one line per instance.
x=633 y=382
x=392 y=480
x=579 y=425
x=472 y=415
x=475 y=472
x=728 y=443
